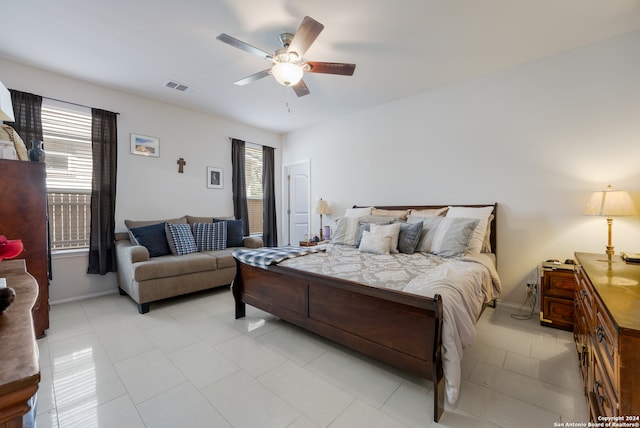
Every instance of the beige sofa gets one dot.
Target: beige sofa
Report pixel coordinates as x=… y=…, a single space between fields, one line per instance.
x=147 y=279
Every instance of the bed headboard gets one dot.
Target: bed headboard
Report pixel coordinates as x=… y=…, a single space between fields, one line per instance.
x=494 y=235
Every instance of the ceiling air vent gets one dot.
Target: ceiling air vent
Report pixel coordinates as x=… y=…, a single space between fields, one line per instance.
x=172 y=84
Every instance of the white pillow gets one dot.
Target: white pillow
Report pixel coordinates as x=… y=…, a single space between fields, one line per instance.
x=358 y=212
x=346 y=231
x=375 y=243
x=392 y=230
x=481 y=213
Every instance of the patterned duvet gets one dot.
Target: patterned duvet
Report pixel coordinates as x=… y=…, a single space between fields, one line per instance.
x=465 y=284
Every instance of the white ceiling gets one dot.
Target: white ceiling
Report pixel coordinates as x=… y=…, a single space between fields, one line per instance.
x=401 y=47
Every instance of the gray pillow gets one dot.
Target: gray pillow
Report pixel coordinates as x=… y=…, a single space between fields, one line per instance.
x=409 y=237
x=446 y=236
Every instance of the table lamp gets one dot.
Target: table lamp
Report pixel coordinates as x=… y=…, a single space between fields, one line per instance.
x=6 y=108
x=322 y=208
x=610 y=203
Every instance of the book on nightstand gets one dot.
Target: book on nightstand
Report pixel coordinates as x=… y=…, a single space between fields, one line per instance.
x=630 y=257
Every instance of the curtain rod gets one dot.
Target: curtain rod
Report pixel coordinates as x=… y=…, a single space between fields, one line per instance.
x=75 y=104
x=253 y=144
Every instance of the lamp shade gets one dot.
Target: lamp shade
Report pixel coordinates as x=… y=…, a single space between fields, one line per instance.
x=6 y=108
x=286 y=73
x=322 y=207
x=610 y=203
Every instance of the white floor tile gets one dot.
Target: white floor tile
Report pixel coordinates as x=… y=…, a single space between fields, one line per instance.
x=252 y=356
x=118 y=413
x=148 y=374
x=245 y=402
x=357 y=376
x=364 y=415
x=182 y=406
x=202 y=364
x=319 y=400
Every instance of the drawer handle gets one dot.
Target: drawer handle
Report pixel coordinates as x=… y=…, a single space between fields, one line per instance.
x=600 y=333
x=601 y=398
x=584 y=294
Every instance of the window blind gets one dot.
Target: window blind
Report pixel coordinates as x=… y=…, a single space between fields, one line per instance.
x=253 y=180
x=67 y=142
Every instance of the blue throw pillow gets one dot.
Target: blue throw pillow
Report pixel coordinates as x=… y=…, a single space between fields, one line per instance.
x=153 y=238
x=235 y=232
x=210 y=236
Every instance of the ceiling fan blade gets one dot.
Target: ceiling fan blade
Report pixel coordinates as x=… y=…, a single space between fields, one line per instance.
x=230 y=40
x=256 y=76
x=307 y=32
x=331 y=68
x=301 y=89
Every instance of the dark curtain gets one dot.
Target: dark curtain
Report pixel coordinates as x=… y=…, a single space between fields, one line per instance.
x=27 y=111
x=104 y=143
x=240 y=208
x=269 y=226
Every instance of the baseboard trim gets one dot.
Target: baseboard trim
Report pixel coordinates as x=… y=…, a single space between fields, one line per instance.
x=83 y=297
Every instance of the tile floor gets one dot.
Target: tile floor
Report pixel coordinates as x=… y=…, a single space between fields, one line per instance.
x=188 y=363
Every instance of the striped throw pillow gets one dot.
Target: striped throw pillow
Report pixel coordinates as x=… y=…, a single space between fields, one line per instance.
x=210 y=236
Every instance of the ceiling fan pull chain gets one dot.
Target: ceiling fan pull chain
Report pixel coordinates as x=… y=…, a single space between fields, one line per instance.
x=286 y=101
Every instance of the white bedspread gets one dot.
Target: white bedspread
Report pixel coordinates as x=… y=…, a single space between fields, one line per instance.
x=465 y=284
x=459 y=286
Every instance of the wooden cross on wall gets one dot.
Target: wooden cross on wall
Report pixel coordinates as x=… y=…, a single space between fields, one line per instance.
x=181 y=163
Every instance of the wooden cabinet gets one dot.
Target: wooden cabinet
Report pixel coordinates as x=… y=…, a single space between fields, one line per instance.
x=23 y=215
x=607 y=333
x=20 y=370
x=556 y=298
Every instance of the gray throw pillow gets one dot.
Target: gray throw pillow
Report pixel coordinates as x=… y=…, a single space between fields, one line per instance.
x=409 y=237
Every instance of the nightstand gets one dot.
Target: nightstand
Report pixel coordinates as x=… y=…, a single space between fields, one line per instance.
x=556 y=296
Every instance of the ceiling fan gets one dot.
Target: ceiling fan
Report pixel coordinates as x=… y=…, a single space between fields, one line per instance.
x=288 y=66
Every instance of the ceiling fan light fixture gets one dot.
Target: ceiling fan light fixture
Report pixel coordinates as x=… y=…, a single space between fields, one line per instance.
x=286 y=73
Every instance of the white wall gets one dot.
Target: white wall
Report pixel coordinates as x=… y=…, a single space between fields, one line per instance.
x=148 y=188
x=537 y=139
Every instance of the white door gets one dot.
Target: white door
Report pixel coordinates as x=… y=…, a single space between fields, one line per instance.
x=298 y=179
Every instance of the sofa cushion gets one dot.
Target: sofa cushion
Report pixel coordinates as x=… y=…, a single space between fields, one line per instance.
x=173 y=266
x=210 y=236
x=224 y=259
x=180 y=239
x=235 y=232
x=153 y=238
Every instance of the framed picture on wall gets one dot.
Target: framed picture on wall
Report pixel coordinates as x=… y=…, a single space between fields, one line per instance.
x=144 y=145
x=214 y=178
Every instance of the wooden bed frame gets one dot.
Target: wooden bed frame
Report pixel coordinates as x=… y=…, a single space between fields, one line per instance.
x=400 y=329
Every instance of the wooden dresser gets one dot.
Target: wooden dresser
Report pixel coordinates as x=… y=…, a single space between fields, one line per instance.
x=607 y=334
x=23 y=215
x=19 y=367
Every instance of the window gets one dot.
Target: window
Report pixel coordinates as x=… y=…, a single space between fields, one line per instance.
x=253 y=179
x=66 y=132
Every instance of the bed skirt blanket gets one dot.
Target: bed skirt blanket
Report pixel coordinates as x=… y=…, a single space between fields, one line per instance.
x=263 y=257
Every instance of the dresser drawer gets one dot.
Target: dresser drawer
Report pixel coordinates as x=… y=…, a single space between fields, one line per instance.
x=601 y=394
x=558 y=312
x=559 y=283
x=584 y=295
x=605 y=342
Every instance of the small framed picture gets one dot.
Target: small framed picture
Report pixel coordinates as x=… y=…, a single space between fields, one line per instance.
x=215 y=180
x=144 y=145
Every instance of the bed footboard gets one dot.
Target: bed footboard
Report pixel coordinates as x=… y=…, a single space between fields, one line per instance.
x=399 y=329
